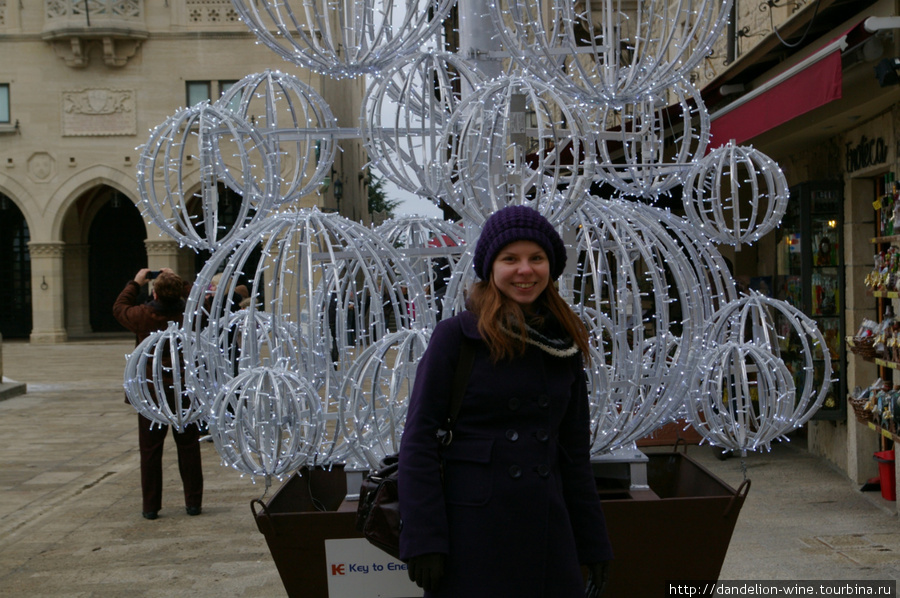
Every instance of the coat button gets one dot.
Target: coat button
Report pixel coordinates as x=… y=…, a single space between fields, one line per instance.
x=543 y=401
x=512 y=435
x=543 y=470
x=515 y=471
x=542 y=435
x=514 y=404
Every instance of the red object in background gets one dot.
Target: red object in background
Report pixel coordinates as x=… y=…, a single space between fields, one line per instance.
x=814 y=86
x=887 y=474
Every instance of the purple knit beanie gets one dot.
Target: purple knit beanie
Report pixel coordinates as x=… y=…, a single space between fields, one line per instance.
x=518 y=223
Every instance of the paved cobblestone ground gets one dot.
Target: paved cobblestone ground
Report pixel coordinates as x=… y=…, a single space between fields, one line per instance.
x=70 y=524
x=70 y=501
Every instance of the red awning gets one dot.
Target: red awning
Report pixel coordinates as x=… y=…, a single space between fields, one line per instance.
x=812 y=83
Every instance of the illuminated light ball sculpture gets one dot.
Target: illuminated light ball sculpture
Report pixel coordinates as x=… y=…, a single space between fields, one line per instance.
x=155 y=369
x=611 y=50
x=343 y=38
x=203 y=147
x=710 y=275
x=517 y=141
x=432 y=248
x=405 y=112
x=645 y=290
x=618 y=420
x=331 y=283
x=769 y=326
x=267 y=423
x=742 y=397
x=462 y=277
x=648 y=145
x=254 y=338
x=736 y=195
x=377 y=387
x=297 y=124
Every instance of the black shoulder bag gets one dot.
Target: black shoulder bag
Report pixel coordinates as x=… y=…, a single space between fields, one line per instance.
x=378 y=513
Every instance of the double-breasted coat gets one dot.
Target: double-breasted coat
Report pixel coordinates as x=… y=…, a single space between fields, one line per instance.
x=517 y=510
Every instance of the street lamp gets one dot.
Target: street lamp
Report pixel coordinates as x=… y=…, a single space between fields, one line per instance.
x=338 y=191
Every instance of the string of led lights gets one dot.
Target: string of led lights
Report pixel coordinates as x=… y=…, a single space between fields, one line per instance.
x=312 y=363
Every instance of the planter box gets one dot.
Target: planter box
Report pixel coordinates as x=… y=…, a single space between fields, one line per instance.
x=677 y=530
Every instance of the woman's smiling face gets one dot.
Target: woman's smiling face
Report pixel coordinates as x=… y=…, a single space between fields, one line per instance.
x=521 y=271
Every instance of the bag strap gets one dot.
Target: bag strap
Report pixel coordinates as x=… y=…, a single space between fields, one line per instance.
x=458 y=389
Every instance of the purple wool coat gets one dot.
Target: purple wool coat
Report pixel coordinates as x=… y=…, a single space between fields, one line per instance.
x=517 y=511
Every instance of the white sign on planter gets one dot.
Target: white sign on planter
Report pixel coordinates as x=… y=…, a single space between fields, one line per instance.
x=356 y=569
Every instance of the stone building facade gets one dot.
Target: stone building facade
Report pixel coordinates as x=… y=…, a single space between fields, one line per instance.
x=81 y=87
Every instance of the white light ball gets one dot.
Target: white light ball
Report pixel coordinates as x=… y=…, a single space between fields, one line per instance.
x=645 y=285
x=741 y=397
x=331 y=287
x=296 y=123
x=183 y=163
x=405 y=112
x=611 y=50
x=155 y=369
x=649 y=144
x=777 y=327
x=267 y=422
x=343 y=38
x=432 y=248
x=377 y=387
x=517 y=141
x=736 y=194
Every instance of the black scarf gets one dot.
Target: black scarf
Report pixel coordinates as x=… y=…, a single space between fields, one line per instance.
x=545 y=333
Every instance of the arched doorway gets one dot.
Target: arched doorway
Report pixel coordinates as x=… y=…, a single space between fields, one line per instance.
x=117 y=252
x=15 y=271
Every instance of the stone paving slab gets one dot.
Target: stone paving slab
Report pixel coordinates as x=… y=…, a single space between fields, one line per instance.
x=10 y=389
x=70 y=522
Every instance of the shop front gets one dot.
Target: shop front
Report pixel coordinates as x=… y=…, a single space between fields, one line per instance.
x=838 y=226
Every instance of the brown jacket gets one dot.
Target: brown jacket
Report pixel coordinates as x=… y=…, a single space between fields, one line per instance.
x=142 y=319
x=146 y=318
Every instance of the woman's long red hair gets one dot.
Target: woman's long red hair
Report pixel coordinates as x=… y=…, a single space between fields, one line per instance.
x=495 y=311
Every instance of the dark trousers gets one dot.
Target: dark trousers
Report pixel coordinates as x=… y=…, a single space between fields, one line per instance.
x=188 y=445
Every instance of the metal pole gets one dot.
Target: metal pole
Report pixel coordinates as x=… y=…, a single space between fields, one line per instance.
x=478 y=39
x=479 y=44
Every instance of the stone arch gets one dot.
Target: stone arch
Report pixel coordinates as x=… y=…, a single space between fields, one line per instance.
x=69 y=193
x=105 y=241
x=74 y=207
x=21 y=198
x=15 y=265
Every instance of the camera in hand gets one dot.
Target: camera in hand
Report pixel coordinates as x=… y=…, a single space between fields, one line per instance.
x=152 y=274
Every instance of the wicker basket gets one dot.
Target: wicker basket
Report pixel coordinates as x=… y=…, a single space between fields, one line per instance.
x=858 y=406
x=864 y=347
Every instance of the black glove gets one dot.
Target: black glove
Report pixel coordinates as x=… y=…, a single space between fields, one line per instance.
x=427 y=570
x=598 y=578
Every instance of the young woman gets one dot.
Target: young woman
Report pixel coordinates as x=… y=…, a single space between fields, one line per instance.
x=510 y=506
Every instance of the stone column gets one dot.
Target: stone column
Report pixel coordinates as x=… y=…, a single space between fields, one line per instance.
x=859 y=261
x=164 y=253
x=77 y=281
x=47 y=293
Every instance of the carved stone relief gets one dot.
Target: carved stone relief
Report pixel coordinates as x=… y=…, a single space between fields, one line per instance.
x=51 y=250
x=41 y=167
x=92 y=112
x=211 y=12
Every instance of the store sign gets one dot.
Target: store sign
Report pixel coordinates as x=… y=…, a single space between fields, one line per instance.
x=357 y=569
x=868 y=152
